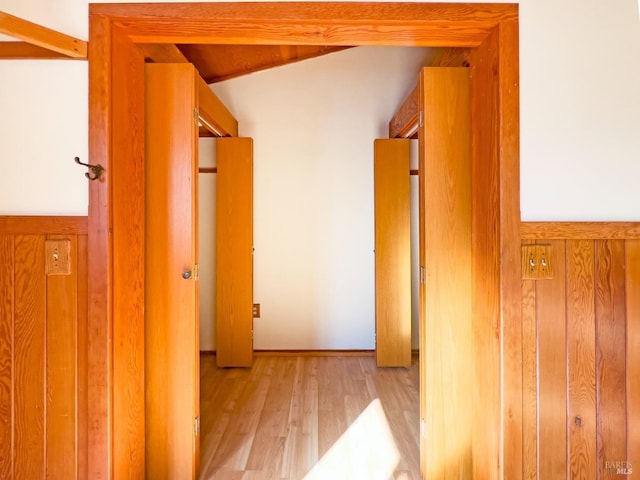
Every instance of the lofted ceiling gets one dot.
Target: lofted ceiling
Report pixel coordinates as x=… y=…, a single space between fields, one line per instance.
x=222 y=62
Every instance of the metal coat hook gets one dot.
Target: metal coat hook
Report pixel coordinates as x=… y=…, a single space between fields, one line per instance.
x=96 y=170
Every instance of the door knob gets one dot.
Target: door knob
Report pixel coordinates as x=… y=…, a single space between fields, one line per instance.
x=186 y=274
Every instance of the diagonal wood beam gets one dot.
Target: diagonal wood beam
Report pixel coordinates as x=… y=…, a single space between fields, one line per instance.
x=42 y=36
x=404 y=123
x=214 y=115
x=27 y=51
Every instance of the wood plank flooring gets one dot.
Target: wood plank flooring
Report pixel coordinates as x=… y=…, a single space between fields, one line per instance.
x=280 y=418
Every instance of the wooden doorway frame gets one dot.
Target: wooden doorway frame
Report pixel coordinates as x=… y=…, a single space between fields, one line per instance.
x=119 y=39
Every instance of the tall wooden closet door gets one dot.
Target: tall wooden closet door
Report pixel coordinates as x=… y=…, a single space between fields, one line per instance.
x=234 y=252
x=446 y=326
x=392 y=192
x=171 y=287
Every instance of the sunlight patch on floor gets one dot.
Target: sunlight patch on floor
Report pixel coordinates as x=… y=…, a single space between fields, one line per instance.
x=366 y=451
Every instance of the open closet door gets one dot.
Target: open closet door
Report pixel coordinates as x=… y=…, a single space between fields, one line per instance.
x=171 y=272
x=234 y=252
x=392 y=192
x=446 y=322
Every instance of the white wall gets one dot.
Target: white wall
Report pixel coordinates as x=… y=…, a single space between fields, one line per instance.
x=580 y=146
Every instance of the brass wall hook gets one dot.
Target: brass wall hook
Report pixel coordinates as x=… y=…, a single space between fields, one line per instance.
x=96 y=170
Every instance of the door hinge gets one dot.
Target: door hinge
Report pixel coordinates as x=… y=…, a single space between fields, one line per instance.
x=421 y=275
x=196 y=426
x=421 y=121
x=196 y=117
x=196 y=272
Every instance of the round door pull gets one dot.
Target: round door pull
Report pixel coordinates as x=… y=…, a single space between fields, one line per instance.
x=186 y=274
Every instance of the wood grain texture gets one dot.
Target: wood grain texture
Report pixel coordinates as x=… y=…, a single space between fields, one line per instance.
x=28 y=51
x=234 y=252
x=392 y=215
x=487 y=242
x=632 y=290
x=6 y=355
x=580 y=230
x=127 y=210
x=170 y=300
x=224 y=62
x=42 y=36
x=388 y=24
x=581 y=338
x=529 y=381
x=508 y=138
x=61 y=369
x=82 y=358
x=39 y=225
x=100 y=274
x=329 y=23
x=445 y=155
x=551 y=296
x=29 y=357
x=405 y=121
x=610 y=353
x=282 y=416
x=214 y=115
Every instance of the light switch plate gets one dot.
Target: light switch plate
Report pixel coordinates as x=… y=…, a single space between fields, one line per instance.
x=537 y=262
x=58 y=257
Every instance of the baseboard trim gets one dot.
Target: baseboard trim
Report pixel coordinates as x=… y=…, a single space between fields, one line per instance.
x=305 y=353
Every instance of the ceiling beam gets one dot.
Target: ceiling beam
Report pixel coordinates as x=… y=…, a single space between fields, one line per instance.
x=42 y=36
x=213 y=114
x=27 y=51
x=404 y=123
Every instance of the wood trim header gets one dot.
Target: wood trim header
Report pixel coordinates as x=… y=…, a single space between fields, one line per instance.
x=42 y=225
x=580 y=230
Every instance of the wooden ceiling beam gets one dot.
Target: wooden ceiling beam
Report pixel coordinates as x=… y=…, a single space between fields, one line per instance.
x=405 y=122
x=27 y=51
x=214 y=115
x=42 y=36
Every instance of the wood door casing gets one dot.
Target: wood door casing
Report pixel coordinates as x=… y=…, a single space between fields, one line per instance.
x=171 y=308
x=392 y=202
x=234 y=252
x=116 y=310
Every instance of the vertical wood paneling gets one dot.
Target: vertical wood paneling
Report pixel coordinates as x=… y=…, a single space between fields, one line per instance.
x=552 y=368
x=529 y=381
x=392 y=194
x=633 y=351
x=445 y=156
x=82 y=358
x=61 y=368
x=6 y=355
x=29 y=357
x=610 y=353
x=41 y=432
x=234 y=252
x=581 y=410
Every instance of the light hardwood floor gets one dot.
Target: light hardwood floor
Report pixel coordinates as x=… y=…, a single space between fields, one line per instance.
x=278 y=419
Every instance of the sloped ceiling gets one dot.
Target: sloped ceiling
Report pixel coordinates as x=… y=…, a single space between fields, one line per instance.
x=222 y=62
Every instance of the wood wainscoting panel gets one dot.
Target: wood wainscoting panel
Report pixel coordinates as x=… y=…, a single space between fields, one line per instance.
x=581 y=411
x=591 y=311
x=632 y=290
x=29 y=357
x=61 y=369
x=552 y=382
x=43 y=355
x=611 y=326
x=6 y=354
